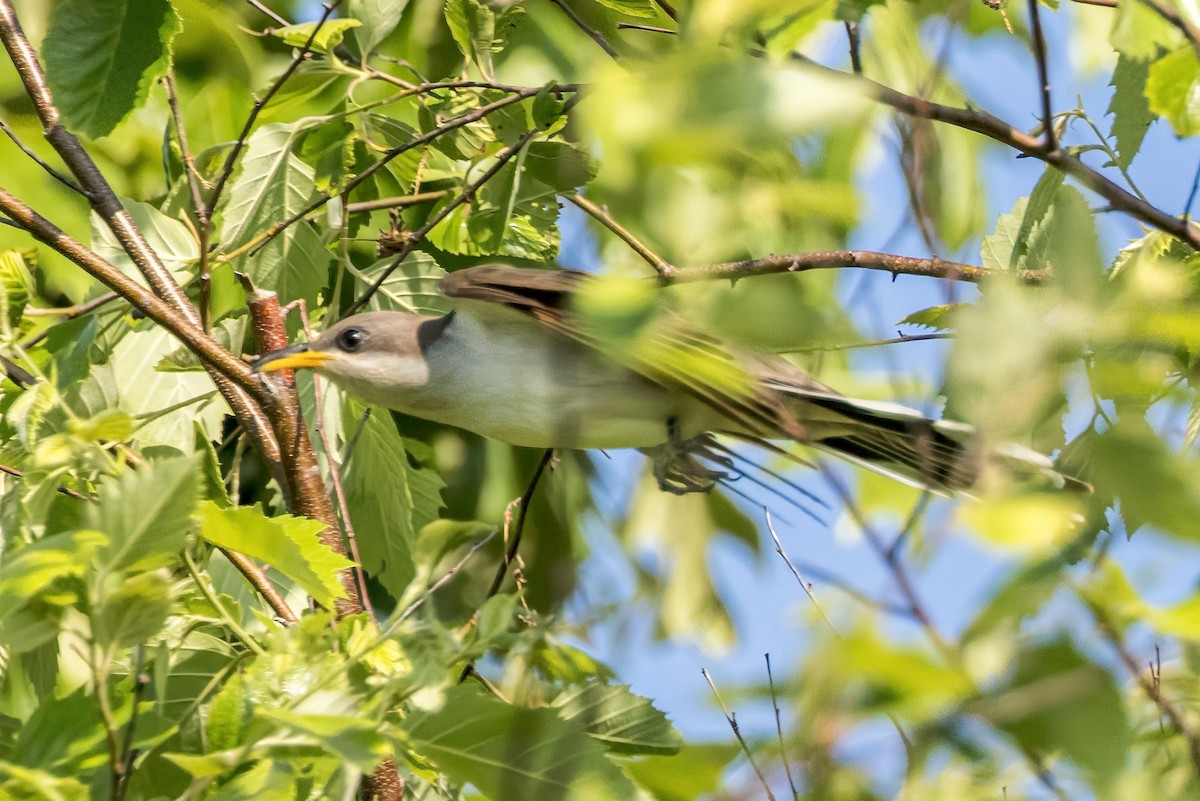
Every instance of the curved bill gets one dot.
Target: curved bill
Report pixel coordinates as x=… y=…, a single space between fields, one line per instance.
x=293 y=357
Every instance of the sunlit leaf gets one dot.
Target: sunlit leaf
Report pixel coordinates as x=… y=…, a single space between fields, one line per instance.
x=624 y=722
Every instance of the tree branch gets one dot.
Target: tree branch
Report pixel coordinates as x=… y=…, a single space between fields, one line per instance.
x=660 y=265
x=841 y=259
x=1039 y=53
x=1000 y=131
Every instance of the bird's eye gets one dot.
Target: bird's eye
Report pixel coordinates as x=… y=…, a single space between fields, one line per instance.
x=351 y=339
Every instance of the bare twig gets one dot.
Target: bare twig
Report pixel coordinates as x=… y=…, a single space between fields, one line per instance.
x=514 y=541
x=199 y=205
x=787 y=765
x=70 y=493
x=842 y=259
x=468 y=193
x=660 y=265
x=128 y=753
x=1039 y=52
x=262 y=9
x=983 y=123
x=591 y=32
x=458 y=122
x=733 y=724
x=65 y=180
x=1149 y=683
x=633 y=26
x=259 y=581
x=855 y=47
x=261 y=103
x=668 y=9
x=804 y=585
x=402 y=202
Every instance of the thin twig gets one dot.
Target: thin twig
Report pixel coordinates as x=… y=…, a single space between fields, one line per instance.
x=261 y=103
x=65 y=180
x=855 y=47
x=441 y=582
x=660 y=265
x=1150 y=685
x=458 y=122
x=269 y=13
x=199 y=206
x=733 y=724
x=633 y=26
x=514 y=541
x=1039 y=52
x=401 y=202
x=843 y=259
x=787 y=765
x=668 y=9
x=129 y=754
x=804 y=585
x=412 y=240
x=70 y=493
x=591 y=32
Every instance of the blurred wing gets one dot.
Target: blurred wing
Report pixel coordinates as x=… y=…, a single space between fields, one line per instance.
x=666 y=350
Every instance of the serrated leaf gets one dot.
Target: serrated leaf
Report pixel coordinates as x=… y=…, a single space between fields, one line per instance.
x=473 y=26
x=626 y=723
x=513 y=754
x=939 y=318
x=102 y=57
x=412 y=287
x=1173 y=90
x=695 y=772
x=35 y=568
x=1029 y=249
x=328 y=37
x=273 y=185
x=288 y=544
x=1129 y=108
x=16 y=289
x=145 y=513
x=390 y=500
x=353 y=739
x=998 y=247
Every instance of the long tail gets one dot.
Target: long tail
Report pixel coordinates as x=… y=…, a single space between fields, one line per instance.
x=906 y=445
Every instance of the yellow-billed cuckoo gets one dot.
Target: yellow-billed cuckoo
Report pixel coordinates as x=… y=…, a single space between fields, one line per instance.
x=516 y=361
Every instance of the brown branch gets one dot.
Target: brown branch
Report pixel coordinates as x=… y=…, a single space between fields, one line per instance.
x=591 y=32
x=994 y=128
x=842 y=259
x=401 y=202
x=660 y=265
x=855 y=43
x=1039 y=53
x=100 y=195
x=257 y=577
x=668 y=9
x=70 y=493
x=731 y=719
x=268 y=13
x=1150 y=685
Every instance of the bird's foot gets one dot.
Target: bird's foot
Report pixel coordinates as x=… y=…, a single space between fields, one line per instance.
x=693 y=465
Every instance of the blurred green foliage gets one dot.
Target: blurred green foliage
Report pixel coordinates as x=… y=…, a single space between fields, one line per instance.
x=138 y=664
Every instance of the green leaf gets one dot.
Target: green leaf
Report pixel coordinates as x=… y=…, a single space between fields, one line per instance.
x=1173 y=89
x=390 y=500
x=171 y=240
x=1140 y=33
x=288 y=544
x=412 y=287
x=694 y=772
x=644 y=9
x=1154 y=486
x=30 y=571
x=328 y=37
x=473 y=26
x=167 y=406
x=229 y=715
x=559 y=165
x=1059 y=701
x=102 y=57
x=145 y=513
x=1129 y=108
x=132 y=612
x=230 y=333
x=626 y=723
x=379 y=18
x=939 y=318
x=513 y=754
x=353 y=739
x=273 y=185
x=16 y=289
x=999 y=247
x=1029 y=247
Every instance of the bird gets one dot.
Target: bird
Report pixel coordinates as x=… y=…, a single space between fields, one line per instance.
x=529 y=357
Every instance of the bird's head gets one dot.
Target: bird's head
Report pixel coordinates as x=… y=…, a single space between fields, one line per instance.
x=371 y=355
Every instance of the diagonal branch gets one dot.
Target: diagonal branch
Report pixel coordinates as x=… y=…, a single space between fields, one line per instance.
x=842 y=259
